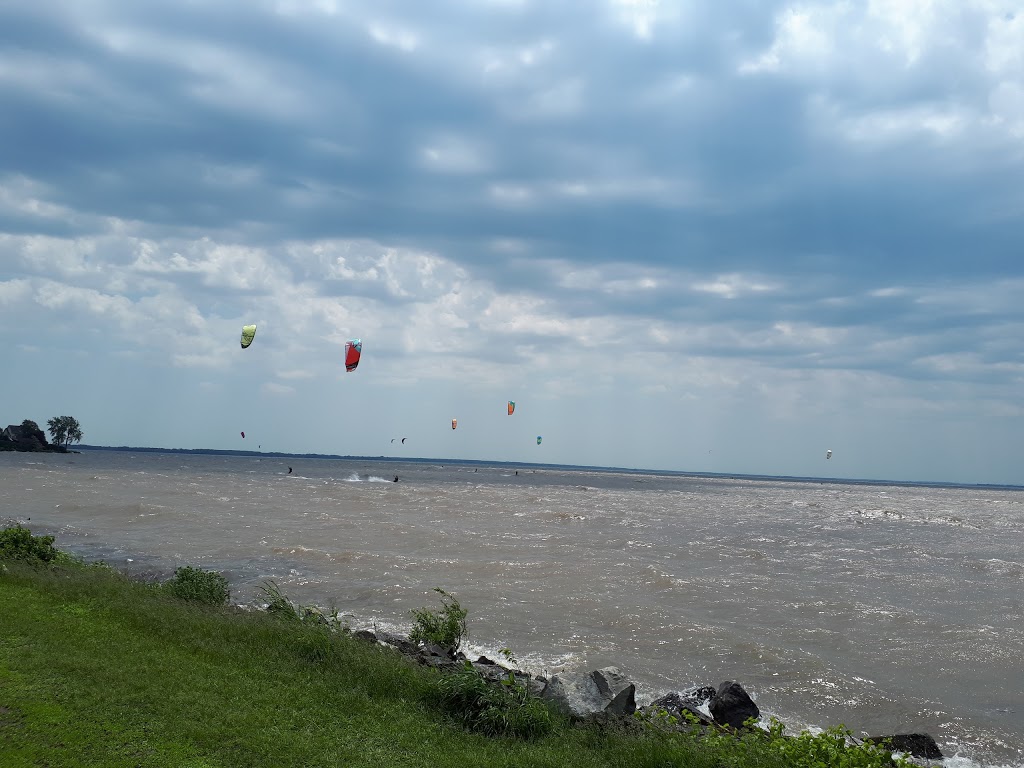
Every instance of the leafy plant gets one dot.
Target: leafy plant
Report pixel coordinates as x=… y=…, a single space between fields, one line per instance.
x=832 y=747
x=446 y=627
x=19 y=544
x=199 y=586
x=505 y=708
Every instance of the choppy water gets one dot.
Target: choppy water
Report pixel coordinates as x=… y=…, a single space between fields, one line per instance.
x=885 y=608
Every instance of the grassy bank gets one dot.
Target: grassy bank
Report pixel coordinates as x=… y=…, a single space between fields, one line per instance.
x=99 y=670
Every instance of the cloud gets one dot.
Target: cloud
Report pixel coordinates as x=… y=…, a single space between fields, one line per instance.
x=804 y=208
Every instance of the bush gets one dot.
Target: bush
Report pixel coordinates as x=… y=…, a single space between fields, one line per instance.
x=19 y=544
x=833 y=746
x=446 y=627
x=505 y=708
x=199 y=586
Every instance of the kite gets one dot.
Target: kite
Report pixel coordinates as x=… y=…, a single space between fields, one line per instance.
x=248 y=334
x=828 y=454
x=243 y=435
x=353 y=349
x=538 y=439
x=455 y=423
x=511 y=407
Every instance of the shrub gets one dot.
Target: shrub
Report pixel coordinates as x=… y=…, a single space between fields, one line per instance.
x=446 y=627
x=199 y=586
x=833 y=746
x=19 y=544
x=505 y=708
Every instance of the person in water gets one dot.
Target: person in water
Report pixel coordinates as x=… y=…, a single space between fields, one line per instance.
x=396 y=479
x=289 y=470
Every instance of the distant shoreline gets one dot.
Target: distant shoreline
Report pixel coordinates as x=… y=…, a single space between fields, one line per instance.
x=563 y=467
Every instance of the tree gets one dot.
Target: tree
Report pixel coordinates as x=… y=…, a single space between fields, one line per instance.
x=65 y=430
x=30 y=429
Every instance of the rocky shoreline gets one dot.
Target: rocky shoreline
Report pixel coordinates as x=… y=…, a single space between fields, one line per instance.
x=607 y=696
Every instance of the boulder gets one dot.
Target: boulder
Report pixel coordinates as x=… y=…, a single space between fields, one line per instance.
x=916 y=744
x=731 y=705
x=684 y=705
x=438 y=657
x=403 y=644
x=581 y=695
x=691 y=697
x=624 y=702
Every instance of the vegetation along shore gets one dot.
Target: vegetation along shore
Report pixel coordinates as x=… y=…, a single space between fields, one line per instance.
x=97 y=668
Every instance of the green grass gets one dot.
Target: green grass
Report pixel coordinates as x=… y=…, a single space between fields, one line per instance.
x=98 y=670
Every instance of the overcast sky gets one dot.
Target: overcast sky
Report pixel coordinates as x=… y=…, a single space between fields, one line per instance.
x=696 y=236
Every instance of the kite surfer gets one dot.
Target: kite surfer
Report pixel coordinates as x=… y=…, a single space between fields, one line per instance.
x=289 y=470
x=396 y=479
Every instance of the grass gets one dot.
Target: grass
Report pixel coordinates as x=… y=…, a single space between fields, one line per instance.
x=98 y=670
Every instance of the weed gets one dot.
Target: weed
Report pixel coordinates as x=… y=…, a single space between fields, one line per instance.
x=199 y=586
x=446 y=627
x=496 y=709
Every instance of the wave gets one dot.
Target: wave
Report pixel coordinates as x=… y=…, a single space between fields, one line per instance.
x=355 y=478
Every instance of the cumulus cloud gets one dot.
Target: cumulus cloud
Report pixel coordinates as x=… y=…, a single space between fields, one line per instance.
x=808 y=204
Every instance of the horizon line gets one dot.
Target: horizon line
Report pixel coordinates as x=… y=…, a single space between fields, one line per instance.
x=581 y=467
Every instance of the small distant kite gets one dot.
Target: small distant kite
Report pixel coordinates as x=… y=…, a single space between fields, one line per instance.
x=404 y=439
x=353 y=350
x=538 y=439
x=828 y=454
x=243 y=435
x=455 y=423
x=511 y=407
x=248 y=334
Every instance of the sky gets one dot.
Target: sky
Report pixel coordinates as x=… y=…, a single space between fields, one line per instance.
x=694 y=236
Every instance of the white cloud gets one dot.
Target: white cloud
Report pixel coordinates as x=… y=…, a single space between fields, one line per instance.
x=454 y=154
x=394 y=37
x=643 y=17
x=734 y=286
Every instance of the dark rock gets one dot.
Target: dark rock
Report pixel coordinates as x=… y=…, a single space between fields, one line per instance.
x=537 y=685
x=624 y=702
x=731 y=705
x=486 y=661
x=365 y=635
x=688 y=713
x=403 y=644
x=692 y=698
x=683 y=705
x=433 y=649
x=916 y=744
x=491 y=672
